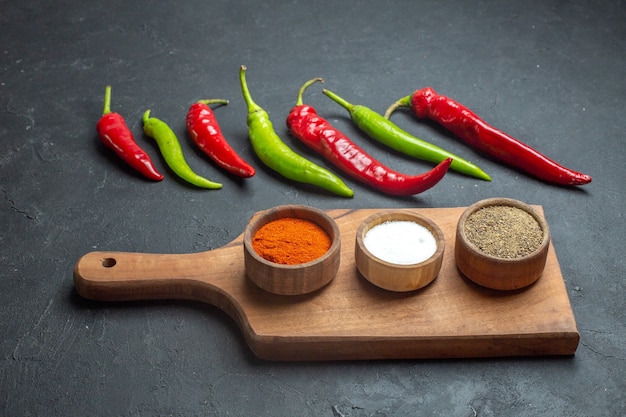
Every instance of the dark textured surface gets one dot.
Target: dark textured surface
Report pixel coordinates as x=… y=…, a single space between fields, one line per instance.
x=550 y=73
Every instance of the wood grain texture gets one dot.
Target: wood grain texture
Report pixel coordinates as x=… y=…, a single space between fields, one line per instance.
x=350 y=318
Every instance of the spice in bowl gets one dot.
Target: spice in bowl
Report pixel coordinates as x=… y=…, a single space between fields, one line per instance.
x=292 y=249
x=401 y=242
x=503 y=231
x=501 y=243
x=291 y=241
x=399 y=250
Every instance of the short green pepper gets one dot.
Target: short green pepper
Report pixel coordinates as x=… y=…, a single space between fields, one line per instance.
x=172 y=151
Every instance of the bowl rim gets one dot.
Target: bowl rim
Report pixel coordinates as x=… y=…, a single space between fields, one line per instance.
x=509 y=202
x=400 y=215
x=274 y=213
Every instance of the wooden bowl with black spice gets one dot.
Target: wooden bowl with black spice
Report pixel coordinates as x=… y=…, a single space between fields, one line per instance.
x=291 y=249
x=502 y=244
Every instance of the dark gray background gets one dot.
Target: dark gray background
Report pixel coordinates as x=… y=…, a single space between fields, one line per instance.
x=549 y=72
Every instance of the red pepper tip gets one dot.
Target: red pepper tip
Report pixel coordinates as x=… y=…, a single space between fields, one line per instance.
x=582 y=180
x=444 y=165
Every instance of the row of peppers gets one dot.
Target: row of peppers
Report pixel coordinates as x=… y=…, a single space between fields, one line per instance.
x=318 y=134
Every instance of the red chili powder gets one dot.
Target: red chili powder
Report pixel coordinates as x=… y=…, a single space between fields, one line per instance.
x=291 y=241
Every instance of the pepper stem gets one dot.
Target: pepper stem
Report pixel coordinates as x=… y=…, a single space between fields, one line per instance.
x=213 y=101
x=252 y=106
x=403 y=102
x=146 y=117
x=107 y=100
x=343 y=103
x=304 y=87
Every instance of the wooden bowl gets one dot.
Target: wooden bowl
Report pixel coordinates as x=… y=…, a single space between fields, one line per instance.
x=292 y=279
x=396 y=276
x=497 y=272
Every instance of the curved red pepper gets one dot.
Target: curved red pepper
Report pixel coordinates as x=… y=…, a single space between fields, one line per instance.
x=465 y=124
x=116 y=135
x=207 y=135
x=314 y=131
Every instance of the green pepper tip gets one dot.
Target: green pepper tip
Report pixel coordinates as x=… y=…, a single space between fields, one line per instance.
x=146 y=116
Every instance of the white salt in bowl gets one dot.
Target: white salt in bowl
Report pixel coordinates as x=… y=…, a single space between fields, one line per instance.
x=399 y=250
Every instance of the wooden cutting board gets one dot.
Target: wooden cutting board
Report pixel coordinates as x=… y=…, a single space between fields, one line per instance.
x=351 y=318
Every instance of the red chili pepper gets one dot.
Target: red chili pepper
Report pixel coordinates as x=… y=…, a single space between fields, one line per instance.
x=206 y=133
x=314 y=131
x=116 y=135
x=465 y=124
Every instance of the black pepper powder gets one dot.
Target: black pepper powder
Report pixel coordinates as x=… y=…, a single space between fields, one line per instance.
x=503 y=231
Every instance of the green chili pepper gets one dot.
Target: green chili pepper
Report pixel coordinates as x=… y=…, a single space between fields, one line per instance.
x=172 y=151
x=274 y=153
x=386 y=132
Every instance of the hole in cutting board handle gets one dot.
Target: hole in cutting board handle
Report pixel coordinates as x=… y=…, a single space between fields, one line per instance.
x=109 y=262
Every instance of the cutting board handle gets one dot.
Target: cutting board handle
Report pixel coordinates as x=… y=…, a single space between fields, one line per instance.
x=123 y=276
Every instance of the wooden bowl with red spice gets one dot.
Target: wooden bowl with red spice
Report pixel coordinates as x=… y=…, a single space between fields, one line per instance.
x=291 y=249
x=502 y=244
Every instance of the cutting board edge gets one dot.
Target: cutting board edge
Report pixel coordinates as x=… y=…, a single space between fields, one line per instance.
x=278 y=348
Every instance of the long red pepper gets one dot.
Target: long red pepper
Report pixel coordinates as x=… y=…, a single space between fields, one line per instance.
x=314 y=131
x=116 y=135
x=207 y=135
x=465 y=124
